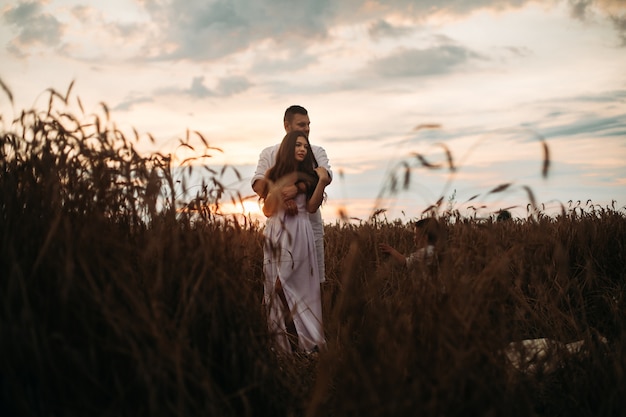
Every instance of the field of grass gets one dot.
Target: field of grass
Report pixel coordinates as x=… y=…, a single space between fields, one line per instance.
x=122 y=297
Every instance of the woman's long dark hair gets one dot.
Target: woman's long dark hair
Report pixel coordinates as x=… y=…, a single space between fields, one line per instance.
x=286 y=162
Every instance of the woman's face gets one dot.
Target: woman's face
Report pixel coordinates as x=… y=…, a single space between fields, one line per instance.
x=302 y=147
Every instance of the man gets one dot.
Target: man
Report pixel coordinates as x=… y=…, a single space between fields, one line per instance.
x=296 y=118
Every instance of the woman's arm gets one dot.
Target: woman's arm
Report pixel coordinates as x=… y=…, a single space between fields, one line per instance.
x=275 y=197
x=399 y=258
x=315 y=201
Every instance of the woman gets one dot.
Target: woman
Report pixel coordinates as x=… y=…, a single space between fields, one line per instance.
x=292 y=290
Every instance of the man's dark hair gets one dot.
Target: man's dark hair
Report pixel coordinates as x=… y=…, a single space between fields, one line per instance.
x=503 y=216
x=292 y=111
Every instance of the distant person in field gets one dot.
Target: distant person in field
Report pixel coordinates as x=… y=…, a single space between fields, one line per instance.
x=295 y=118
x=503 y=216
x=292 y=292
x=427 y=233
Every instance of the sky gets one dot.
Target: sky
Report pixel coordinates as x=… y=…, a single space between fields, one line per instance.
x=490 y=84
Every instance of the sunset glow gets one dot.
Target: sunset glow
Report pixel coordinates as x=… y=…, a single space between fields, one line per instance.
x=494 y=80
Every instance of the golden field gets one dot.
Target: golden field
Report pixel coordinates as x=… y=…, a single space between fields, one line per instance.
x=122 y=298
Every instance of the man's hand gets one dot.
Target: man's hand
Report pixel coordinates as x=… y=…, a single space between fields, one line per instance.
x=289 y=192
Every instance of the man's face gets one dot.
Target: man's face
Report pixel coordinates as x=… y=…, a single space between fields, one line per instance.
x=299 y=122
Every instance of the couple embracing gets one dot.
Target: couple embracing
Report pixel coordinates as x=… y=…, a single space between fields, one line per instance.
x=291 y=178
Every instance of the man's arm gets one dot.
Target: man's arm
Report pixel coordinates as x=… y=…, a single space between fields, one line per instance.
x=261 y=185
x=258 y=182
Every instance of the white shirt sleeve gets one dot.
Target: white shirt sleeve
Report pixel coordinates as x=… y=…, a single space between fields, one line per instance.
x=423 y=255
x=266 y=161
x=322 y=158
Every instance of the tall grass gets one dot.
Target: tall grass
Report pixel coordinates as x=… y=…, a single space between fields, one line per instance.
x=122 y=296
x=432 y=341
x=115 y=301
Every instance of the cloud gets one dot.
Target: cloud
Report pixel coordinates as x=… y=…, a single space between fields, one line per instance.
x=614 y=10
x=127 y=105
x=231 y=86
x=619 y=23
x=199 y=30
x=198 y=89
x=383 y=29
x=579 y=8
x=274 y=62
x=423 y=62
x=618 y=96
x=597 y=126
x=91 y=17
x=225 y=87
x=34 y=27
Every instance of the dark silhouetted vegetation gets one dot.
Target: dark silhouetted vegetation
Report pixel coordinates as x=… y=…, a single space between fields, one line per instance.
x=122 y=296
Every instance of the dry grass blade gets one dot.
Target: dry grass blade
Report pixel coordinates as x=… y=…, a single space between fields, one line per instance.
x=434 y=207
x=185 y=145
x=209 y=169
x=424 y=162
x=50 y=101
x=80 y=105
x=377 y=213
x=546 y=154
x=427 y=126
x=500 y=188
x=69 y=90
x=213 y=148
x=6 y=90
x=106 y=110
x=393 y=183
x=53 y=94
x=343 y=214
x=531 y=197
x=204 y=141
x=190 y=159
x=546 y=159
x=448 y=157
x=407 y=176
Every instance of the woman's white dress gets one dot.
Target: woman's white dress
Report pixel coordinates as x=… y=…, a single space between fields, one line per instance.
x=290 y=255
